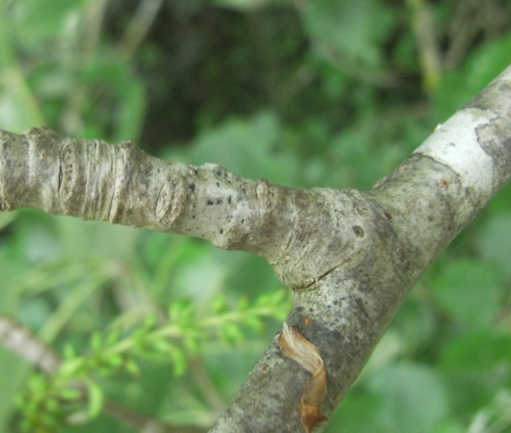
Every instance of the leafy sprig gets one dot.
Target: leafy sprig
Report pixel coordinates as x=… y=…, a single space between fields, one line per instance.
x=72 y=394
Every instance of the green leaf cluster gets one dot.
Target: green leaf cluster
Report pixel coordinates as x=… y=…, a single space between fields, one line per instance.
x=72 y=394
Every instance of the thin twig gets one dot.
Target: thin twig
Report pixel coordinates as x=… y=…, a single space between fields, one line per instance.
x=140 y=25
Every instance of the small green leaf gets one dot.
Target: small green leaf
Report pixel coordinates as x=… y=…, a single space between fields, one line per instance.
x=180 y=361
x=218 y=304
x=96 y=399
x=38 y=384
x=163 y=346
x=243 y=304
x=281 y=314
x=115 y=360
x=113 y=337
x=51 y=404
x=72 y=367
x=232 y=333
x=181 y=313
x=150 y=321
x=96 y=341
x=272 y=298
x=132 y=367
x=69 y=393
x=69 y=351
x=139 y=339
x=191 y=343
x=49 y=422
x=254 y=322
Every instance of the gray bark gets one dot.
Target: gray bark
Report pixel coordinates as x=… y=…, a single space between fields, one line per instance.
x=349 y=257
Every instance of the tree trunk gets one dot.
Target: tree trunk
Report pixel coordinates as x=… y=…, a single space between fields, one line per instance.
x=349 y=257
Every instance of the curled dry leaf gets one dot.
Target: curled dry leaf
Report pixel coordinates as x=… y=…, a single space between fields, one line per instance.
x=297 y=347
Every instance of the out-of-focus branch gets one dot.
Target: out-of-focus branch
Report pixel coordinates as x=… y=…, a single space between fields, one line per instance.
x=429 y=53
x=140 y=25
x=20 y=340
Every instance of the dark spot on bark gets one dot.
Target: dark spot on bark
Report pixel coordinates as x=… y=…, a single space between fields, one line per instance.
x=387 y=215
x=229 y=199
x=361 y=306
x=336 y=335
x=359 y=231
x=401 y=253
x=209 y=202
x=219 y=173
x=192 y=187
x=193 y=216
x=218 y=184
x=221 y=231
x=219 y=201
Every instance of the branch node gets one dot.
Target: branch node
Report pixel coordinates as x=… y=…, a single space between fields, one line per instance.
x=265 y=194
x=171 y=200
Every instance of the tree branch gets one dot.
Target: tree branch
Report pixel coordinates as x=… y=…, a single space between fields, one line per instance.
x=350 y=257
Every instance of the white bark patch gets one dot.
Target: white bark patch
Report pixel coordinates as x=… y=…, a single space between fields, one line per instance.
x=455 y=144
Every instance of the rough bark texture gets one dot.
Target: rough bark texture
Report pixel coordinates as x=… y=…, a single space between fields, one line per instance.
x=349 y=257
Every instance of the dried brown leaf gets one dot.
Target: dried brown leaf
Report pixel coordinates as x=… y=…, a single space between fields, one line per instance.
x=297 y=347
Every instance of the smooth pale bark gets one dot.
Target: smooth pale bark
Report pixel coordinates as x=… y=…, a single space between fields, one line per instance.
x=349 y=257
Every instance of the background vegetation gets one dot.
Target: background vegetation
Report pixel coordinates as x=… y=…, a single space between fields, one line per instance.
x=305 y=93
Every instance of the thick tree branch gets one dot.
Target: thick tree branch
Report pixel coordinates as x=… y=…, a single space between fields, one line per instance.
x=350 y=257
x=92 y=179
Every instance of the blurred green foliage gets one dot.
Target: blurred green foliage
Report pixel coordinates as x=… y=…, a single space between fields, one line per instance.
x=305 y=93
